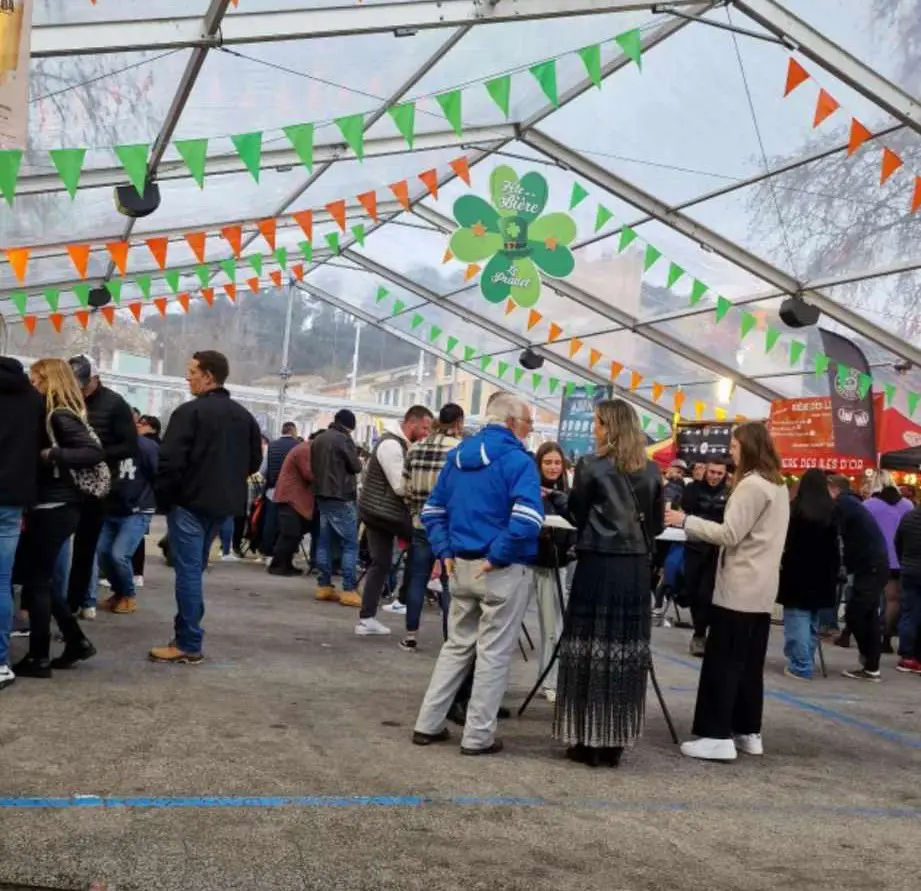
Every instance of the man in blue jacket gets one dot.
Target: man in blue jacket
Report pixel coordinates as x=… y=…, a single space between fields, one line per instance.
x=483 y=520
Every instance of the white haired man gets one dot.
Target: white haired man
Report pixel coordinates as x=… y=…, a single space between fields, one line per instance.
x=483 y=519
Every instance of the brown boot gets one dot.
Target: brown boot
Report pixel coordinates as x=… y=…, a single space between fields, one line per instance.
x=327 y=592
x=125 y=606
x=351 y=598
x=173 y=655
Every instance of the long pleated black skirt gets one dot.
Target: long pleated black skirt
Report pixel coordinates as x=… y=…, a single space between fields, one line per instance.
x=604 y=653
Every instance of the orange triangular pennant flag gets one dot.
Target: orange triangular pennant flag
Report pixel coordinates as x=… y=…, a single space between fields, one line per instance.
x=136 y=310
x=471 y=271
x=57 y=320
x=699 y=409
x=534 y=318
x=304 y=219
x=859 y=135
x=635 y=379
x=234 y=236
x=554 y=332
x=594 y=357
x=796 y=75
x=83 y=318
x=368 y=201
x=80 y=257
x=448 y=257
x=208 y=295
x=275 y=275
x=267 y=229
x=231 y=291
x=183 y=300
x=118 y=250
x=253 y=284
x=297 y=270
x=825 y=105
x=657 y=391
x=574 y=346
x=461 y=168
x=196 y=241
x=401 y=192
x=510 y=306
x=158 y=248
x=29 y=323
x=160 y=303
x=19 y=261
x=891 y=163
x=337 y=212
x=616 y=369
x=916 y=198
x=108 y=313
x=678 y=402
x=430 y=181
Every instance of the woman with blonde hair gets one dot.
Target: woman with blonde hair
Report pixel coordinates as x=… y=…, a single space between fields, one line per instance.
x=67 y=444
x=616 y=505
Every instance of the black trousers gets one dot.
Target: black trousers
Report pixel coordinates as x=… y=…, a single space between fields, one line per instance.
x=380 y=547
x=239 y=528
x=45 y=532
x=699 y=581
x=730 y=696
x=92 y=513
x=139 y=557
x=861 y=615
x=292 y=527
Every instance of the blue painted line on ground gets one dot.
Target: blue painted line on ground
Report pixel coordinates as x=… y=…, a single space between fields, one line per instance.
x=831 y=697
x=805 y=705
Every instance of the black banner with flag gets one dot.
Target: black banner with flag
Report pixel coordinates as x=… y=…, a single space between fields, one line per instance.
x=852 y=414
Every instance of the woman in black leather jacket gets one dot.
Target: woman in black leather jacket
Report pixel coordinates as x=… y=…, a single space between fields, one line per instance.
x=54 y=517
x=616 y=505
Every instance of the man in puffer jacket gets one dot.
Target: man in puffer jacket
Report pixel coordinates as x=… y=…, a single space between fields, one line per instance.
x=483 y=520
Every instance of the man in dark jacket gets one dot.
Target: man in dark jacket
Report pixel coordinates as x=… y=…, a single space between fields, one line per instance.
x=866 y=558
x=335 y=465
x=22 y=418
x=908 y=550
x=275 y=455
x=110 y=416
x=212 y=445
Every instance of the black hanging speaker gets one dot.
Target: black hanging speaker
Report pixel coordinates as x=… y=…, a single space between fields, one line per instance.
x=530 y=360
x=99 y=297
x=796 y=313
x=130 y=204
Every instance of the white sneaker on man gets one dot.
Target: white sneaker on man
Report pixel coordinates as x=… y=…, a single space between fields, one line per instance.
x=139 y=581
x=368 y=627
x=710 y=749
x=88 y=613
x=230 y=558
x=394 y=607
x=6 y=676
x=105 y=583
x=749 y=743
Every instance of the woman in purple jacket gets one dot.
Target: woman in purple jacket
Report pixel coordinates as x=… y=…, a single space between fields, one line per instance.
x=887 y=506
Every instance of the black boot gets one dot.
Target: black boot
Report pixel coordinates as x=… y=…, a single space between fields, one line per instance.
x=74 y=652
x=32 y=668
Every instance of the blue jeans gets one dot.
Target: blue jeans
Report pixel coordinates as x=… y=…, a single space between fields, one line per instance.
x=118 y=541
x=910 y=617
x=226 y=534
x=190 y=539
x=339 y=518
x=421 y=561
x=10 y=524
x=800 y=639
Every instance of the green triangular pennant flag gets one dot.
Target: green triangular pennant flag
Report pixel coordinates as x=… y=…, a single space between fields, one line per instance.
x=500 y=89
x=821 y=364
x=307 y=250
x=722 y=307
x=485 y=362
x=134 y=160
x=255 y=260
x=502 y=369
x=352 y=128
x=53 y=298
x=591 y=58
x=912 y=399
x=661 y=431
x=171 y=277
x=332 y=240
x=82 y=292
x=114 y=287
x=358 y=232
x=230 y=268
x=889 y=390
x=452 y=342
x=864 y=382
x=650 y=257
x=536 y=380
x=698 y=289
x=519 y=374
x=771 y=336
x=577 y=196
x=20 y=299
x=382 y=292
x=451 y=108
x=194 y=152
x=631 y=42
x=570 y=388
x=843 y=373
x=589 y=389
x=469 y=353
x=204 y=274
x=434 y=333
x=416 y=321
x=749 y=320
x=10 y=159
x=69 y=165
x=545 y=75
x=404 y=117
x=646 y=421
x=552 y=385
x=626 y=237
x=602 y=215
x=249 y=148
x=674 y=273
x=796 y=350
x=301 y=137
x=397 y=308
x=143 y=282
x=282 y=256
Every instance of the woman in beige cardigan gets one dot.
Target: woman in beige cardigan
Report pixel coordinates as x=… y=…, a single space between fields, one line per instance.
x=730 y=696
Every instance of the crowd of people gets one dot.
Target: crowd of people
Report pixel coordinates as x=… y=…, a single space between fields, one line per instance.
x=480 y=525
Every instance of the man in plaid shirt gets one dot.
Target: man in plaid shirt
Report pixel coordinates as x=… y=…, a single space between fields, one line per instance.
x=423 y=464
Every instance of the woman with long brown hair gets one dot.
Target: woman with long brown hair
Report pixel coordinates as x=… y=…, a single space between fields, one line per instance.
x=730 y=696
x=67 y=444
x=616 y=505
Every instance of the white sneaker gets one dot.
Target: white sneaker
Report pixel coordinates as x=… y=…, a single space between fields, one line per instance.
x=139 y=581
x=105 y=583
x=6 y=676
x=710 y=749
x=550 y=696
x=88 y=613
x=749 y=743
x=230 y=558
x=394 y=607
x=367 y=627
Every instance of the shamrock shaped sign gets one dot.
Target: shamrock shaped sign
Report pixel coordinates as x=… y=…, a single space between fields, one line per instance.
x=512 y=232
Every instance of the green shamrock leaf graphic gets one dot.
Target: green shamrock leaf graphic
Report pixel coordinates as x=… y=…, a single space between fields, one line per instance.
x=514 y=236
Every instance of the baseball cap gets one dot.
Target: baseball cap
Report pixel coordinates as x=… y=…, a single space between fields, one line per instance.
x=83 y=368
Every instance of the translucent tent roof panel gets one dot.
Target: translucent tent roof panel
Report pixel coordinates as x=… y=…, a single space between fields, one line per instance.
x=59 y=12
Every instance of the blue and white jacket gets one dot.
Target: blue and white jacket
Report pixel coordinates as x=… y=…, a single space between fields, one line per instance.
x=487 y=502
